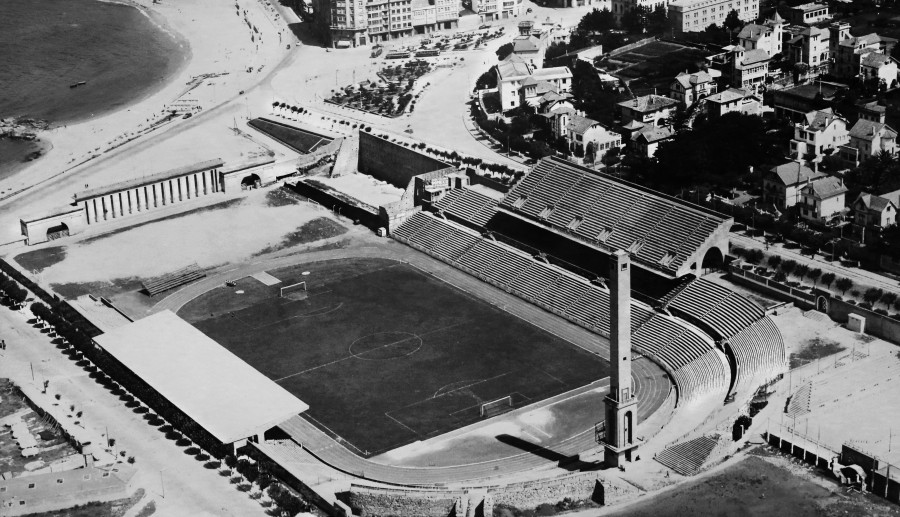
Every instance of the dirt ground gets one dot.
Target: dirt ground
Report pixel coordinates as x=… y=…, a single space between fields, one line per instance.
x=760 y=486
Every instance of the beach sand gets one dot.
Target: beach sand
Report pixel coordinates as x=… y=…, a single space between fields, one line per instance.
x=220 y=43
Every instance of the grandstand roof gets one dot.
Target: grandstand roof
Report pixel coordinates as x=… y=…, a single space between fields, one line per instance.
x=226 y=396
x=148 y=180
x=661 y=232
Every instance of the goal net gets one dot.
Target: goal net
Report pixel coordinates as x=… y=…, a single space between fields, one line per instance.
x=293 y=288
x=495 y=407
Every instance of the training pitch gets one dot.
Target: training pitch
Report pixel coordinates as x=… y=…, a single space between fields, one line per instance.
x=385 y=354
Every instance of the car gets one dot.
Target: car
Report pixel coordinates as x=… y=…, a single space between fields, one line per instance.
x=188 y=115
x=528 y=11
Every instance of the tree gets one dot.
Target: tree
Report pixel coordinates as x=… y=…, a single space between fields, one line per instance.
x=801 y=271
x=597 y=21
x=590 y=152
x=555 y=50
x=828 y=279
x=779 y=276
x=788 y=266
x=872 y=295
x=636 y=19
x=487 y=80
x=504 y=51
x=775 y=261
x=888 y=298
x=843 y=284
x=733 y=21
x=814 y=275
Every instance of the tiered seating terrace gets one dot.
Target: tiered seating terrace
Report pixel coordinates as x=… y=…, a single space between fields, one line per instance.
x=173 y=280
x=686 y=458
x=758 y=352
x=719 y=308
x=469 y=205
x=613 y=214
x=697 y=366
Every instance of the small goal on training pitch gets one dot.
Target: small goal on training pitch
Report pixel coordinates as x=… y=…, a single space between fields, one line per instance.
x=293 y=288
x=495 y=407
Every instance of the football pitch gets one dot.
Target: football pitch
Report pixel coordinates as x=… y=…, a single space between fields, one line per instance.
x=385 y=354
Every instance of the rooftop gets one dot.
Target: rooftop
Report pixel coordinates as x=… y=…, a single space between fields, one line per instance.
x=654 y=134
x=793 y=173
x=648 y=103
x=526 y=44
x=729 y=95
x=824 y=188
x=513 y=66
x=148 y=180
x=752 y=57
x=867 y=130
x=579 y=124
x=223 y=394
x=686 y=79
x=875 y=60
x=819 y=120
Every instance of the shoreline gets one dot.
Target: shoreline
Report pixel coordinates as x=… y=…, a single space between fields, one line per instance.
x=223 y=51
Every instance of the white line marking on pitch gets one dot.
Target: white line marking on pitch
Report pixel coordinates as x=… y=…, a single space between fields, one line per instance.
x=401 y=423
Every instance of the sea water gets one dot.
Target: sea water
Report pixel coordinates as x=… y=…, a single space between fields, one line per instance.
x=48 y=45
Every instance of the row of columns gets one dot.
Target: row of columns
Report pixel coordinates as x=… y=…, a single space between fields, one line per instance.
x=147 y=197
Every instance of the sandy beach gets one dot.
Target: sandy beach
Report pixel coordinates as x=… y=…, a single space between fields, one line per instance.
x=223 y=47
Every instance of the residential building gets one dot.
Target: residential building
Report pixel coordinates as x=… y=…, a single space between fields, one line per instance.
x=808 y=14
x=581 y=131
x=794 y=103
x=647 y=140
x=819 y=131
x=782 y=184
x=871 y=111
x=750 y=68
x=767 y=36
x=513 y=73
x=689 y=88
x=876 y=211
x=697 y=15
x=823 y=198
x=811 y=46
x=649 y=110
x=55 y=491
x=351 y=23
x=530 y=48
x=733 y=100
x=620 y=7
x=879 y=67
x=489 y=10
x=870 y=138
x=848 y=52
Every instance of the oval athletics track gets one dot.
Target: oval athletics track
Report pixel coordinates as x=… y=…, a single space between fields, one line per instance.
x=651 y=383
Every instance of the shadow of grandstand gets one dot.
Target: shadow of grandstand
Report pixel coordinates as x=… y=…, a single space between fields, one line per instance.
x=570 y=463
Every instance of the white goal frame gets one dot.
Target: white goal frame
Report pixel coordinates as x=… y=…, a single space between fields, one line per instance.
x=485 y=406
x=281 y=290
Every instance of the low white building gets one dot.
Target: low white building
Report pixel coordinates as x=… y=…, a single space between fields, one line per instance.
x=514 y=74
x=689 y=88
x=818 y=132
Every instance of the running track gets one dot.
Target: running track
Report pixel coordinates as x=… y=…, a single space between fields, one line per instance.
x=651 y=382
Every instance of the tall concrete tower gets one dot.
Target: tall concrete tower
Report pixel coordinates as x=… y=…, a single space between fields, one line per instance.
x=621 y=404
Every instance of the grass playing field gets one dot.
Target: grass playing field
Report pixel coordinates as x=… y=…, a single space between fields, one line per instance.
x=385 y=354
x=295 y=138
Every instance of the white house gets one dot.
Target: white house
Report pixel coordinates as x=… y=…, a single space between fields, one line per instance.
x=819 y=131
x=514 y=72
x=767 y=36
x=870 y=138
x=823 y=198
x=782 y=184
x=689 y=88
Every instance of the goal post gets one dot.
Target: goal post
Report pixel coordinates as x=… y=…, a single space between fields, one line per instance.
x=288 y=289
x=494 y=407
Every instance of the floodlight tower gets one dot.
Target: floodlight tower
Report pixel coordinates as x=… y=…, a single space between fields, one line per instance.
x=621 y=403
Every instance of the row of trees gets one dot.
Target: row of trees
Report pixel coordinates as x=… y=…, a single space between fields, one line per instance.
x=13 y=291
x=787 y=268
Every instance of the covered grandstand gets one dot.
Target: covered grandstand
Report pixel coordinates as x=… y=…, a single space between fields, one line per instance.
x=663 y=234
x=191 y=380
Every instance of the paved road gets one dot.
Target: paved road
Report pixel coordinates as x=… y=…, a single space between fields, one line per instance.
x=860 y=277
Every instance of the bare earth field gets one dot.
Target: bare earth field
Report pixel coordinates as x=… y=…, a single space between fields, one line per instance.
x=759 y=486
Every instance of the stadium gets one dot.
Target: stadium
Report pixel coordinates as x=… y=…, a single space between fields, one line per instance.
x=483 y=309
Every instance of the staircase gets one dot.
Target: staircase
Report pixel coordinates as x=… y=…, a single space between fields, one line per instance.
x=347 y=160
x=686 y=458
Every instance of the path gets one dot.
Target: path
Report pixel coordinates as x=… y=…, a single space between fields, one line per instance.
x=860 y=277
